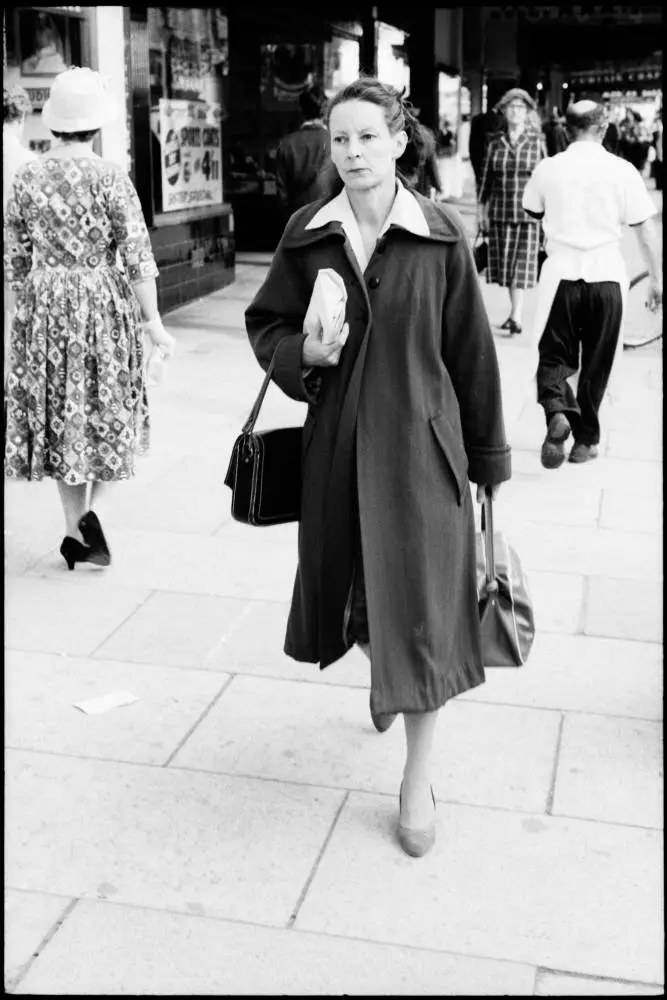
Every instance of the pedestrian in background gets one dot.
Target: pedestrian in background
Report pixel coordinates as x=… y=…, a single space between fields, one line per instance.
x=656 y=166
x=482 y=127
x=450 y=164
x=555 y=134
x=76 y=397
x=584 y=197
x=514 y=237
x=16 y=107
x=406 y=412
x=302 y=155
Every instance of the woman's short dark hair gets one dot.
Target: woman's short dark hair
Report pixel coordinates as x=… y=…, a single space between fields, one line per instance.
x=76 y=136
x=399 y=116
x=15 y=104
x=312 y=101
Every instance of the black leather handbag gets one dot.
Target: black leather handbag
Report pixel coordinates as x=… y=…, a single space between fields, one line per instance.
x=480 y=252
x=264 y=472
x=507 y=621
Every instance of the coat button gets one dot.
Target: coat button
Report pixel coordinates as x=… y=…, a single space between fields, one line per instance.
x=374 y=282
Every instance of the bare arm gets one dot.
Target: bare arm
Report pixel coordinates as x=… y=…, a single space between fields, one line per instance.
x=649 y=244
x=146 y=292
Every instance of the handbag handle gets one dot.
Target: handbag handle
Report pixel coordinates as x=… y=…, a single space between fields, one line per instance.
x=254 y=413
x=487 y=535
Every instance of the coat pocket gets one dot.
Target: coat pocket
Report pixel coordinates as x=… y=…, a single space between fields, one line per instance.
x=453 y=450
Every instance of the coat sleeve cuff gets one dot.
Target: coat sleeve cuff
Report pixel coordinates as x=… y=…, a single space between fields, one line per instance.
x=487 y=466
x=288 y=372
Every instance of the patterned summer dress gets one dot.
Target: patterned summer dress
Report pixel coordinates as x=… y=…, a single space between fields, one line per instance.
x=75 y=239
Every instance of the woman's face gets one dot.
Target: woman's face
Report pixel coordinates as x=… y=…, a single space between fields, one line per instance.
x=362 y=148
x=516 y=113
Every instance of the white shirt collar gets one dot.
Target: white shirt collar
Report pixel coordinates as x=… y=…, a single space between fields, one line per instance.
x=405 y=212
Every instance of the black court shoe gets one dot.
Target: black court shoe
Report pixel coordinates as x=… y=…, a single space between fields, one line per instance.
x=73 y=551
x=91 y=529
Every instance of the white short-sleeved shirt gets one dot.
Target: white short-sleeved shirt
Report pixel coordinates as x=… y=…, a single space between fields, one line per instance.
x=587 y=195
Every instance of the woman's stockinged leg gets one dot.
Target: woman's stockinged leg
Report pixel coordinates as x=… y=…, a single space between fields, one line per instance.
x=100 y=495
x=516 y=299
x=73 y=500
x=416 y=801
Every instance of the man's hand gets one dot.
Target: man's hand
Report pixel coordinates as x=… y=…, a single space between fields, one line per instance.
x=654 y=295
x=317 y=354
x=481 y=491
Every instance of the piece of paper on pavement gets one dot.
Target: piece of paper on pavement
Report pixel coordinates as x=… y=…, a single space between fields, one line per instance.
x=105 y=702
x=325 y=315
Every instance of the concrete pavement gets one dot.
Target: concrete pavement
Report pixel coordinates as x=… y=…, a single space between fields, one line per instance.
x=232 y=830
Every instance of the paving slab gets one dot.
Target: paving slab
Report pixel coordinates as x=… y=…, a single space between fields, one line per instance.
x=126 y=951
x=41 y=689
x=254 y=645
x=555 y=502
x=630 y=443
x=581 y=673
x=557 y=600
x=324 y=736
x=185 y=508
x=43 y=615
x=534 y=889
x=29 y=917
x=610 y=770
x=603 y=473
x=178 y=630
x=235 y=562
x=644 y=512
x=624 y=609
x=592 y=552
x=554 y=984
x=162 y=838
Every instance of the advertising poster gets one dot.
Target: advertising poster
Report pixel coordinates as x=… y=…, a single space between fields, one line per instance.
x=191 y=155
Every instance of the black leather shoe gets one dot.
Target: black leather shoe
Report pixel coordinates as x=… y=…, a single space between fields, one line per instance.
x=91 y=529
x=73 y=551
x=552 y=455
x=514 y=327
x=583 y=453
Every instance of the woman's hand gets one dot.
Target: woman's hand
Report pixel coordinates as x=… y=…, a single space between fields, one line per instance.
x=317 y=354
x=483 y=217
x=481 y=491
x=160 y=337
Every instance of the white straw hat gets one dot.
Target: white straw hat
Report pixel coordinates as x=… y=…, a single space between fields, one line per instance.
x=79 y=102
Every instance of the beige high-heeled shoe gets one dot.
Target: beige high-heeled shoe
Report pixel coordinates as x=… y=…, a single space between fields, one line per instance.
x=416 y=843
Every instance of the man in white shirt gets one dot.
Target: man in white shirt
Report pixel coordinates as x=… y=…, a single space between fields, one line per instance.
x=584 y=196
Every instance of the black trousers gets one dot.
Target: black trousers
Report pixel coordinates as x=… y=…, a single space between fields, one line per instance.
x=582 y=330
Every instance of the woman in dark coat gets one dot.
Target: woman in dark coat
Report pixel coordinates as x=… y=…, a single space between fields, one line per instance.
x=514 y=237
x=401 y=415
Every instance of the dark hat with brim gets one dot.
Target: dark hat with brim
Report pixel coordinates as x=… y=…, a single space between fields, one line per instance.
x=516 y=94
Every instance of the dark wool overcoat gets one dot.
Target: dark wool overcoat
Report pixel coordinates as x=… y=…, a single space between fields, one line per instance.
x=392 y=435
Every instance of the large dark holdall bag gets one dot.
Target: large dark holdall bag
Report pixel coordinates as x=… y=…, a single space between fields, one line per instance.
x=264 y=471
x=506 y=618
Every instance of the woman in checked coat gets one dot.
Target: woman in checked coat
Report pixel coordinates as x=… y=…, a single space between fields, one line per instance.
x=514 y=237
x=401 y=415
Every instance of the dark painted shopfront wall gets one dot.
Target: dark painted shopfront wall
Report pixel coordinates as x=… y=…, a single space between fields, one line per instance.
x=177 y=76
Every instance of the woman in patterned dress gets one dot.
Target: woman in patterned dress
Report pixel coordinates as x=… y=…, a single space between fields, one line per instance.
x=76 y=406
x=514 y=237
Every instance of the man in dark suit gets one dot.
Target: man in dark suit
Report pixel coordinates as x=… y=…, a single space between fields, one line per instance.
x=303 y=155
x=482 y=126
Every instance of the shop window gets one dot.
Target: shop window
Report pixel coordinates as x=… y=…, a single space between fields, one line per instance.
x=39 y=43
x=341 y=63
x=188 y=66
x=392 y=58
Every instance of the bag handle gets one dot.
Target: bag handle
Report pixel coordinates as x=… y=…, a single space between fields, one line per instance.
x=254 y=413
x=487 y=536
